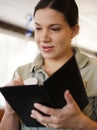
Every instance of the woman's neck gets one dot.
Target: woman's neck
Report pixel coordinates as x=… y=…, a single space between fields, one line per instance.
x=51 y=65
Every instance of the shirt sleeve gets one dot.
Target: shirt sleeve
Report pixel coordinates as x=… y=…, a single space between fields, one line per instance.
x=94 y=114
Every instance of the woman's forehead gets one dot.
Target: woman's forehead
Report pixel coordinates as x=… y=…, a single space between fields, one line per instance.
x=49 y=16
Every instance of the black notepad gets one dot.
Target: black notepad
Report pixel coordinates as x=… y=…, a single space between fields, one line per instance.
x=51 y=93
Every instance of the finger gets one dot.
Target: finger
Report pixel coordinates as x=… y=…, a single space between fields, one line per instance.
x=46 y=110
x=47 y=121
x=40 y=117
x=18 y=81
x=51 y=125
x=69 y=99
x=37 y=116
x=53 y=113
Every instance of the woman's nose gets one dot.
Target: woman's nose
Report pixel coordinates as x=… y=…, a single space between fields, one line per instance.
x=45 y=36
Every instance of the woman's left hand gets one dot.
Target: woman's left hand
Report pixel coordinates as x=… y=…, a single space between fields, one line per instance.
x=70 y=116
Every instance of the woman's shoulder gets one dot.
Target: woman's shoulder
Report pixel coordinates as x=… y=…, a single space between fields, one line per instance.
x=29 y=66
x=84 y=60
x=25 y=70
x=24 y=67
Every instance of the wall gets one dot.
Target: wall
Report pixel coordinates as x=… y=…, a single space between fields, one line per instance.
x=14 y=51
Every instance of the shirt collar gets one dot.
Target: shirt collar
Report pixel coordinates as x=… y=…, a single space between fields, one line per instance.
x=82 y=60
x=37 y=63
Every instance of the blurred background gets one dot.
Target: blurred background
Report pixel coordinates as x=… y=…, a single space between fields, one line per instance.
x=17 y=44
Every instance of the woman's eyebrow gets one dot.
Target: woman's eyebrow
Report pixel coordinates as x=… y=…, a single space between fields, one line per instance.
x=55 y=24
x=37 y=23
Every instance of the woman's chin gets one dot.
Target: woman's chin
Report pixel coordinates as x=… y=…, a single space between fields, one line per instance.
x=48 y=56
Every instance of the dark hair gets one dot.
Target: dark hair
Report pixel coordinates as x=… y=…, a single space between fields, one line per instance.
x=67 y=7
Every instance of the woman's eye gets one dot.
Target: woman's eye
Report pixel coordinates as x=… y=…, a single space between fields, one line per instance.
x=55 y=29
x=38 y=28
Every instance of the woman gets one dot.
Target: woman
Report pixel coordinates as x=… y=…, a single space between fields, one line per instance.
x=56 y=24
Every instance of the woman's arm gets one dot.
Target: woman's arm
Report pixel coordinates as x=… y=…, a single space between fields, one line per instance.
x=10 y=120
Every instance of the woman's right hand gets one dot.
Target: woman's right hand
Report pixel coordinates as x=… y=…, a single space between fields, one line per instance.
x=10 y=120
x=8 y=108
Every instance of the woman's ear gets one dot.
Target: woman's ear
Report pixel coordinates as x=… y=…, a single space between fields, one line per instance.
x=75 y=31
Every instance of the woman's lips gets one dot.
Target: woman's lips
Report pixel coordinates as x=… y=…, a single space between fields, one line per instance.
x=47 y=48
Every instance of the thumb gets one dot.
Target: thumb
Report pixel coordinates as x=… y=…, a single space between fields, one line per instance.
x=20 y=80
x=68 y=97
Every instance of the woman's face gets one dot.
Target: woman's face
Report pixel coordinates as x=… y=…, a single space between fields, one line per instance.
x=52 y=33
